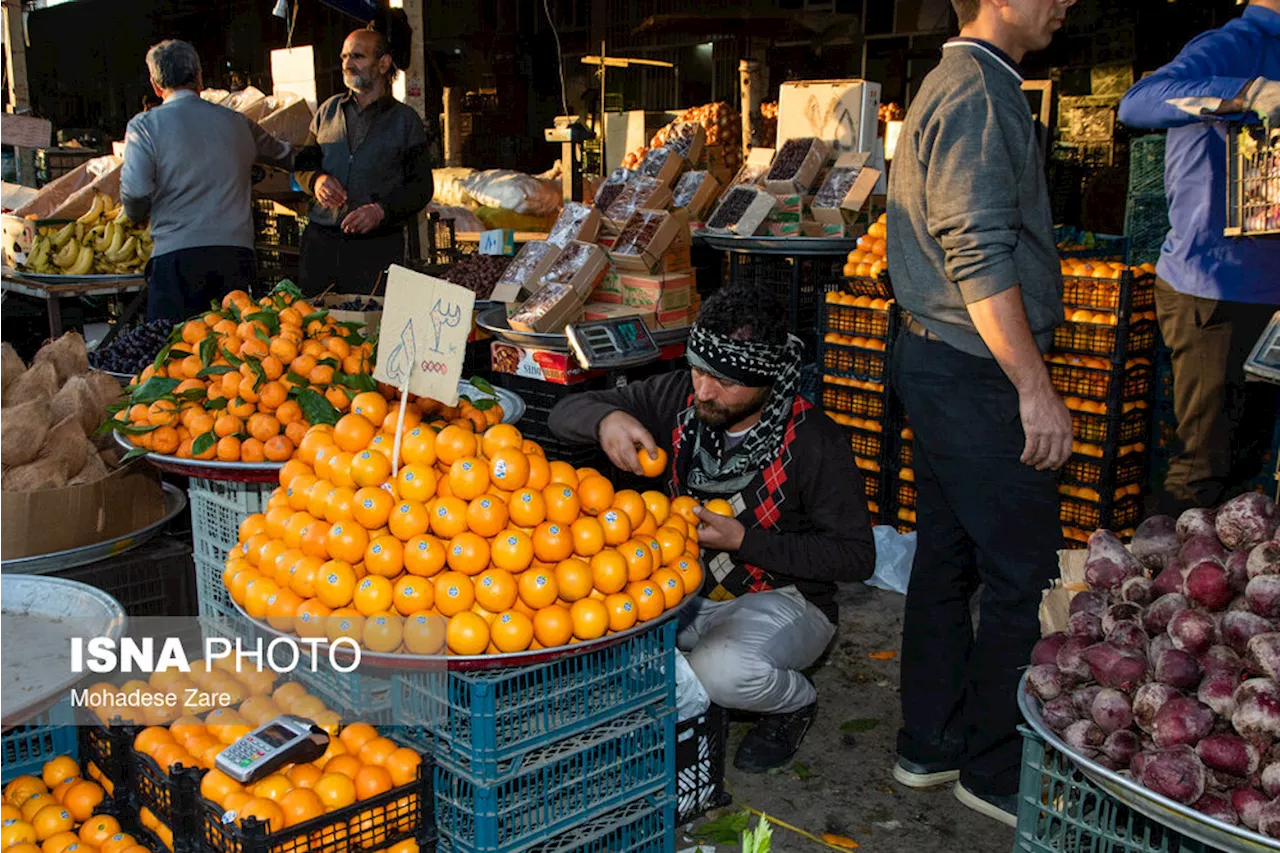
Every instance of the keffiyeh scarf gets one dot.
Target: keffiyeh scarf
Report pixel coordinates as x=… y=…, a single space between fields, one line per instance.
x=755 y=365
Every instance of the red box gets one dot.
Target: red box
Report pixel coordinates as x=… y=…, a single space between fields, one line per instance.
x=562 y=368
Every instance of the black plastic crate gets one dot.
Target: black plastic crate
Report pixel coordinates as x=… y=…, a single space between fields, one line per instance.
x=905 y=494
x=1088 y=471
x=871 y=485
x=877 y=287
x=1123 y=429
x=108 y=748
x=1113 y=515
x=1136 y=382
x=798 y=281
x=155 y=579
x=866 y=443
x=1122 y=295
x=905 y=452
x=852 y=401
x=700 y=761
x=848 y=360
x=862 y=321
x=1112 y=341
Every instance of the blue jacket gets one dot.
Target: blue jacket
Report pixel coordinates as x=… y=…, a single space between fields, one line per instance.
x=1196 y=259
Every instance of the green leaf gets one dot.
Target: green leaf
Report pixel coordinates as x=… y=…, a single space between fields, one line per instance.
x=203 y=443
x=261 y=335
x=297 y=379
x=162 y=356
x=216 y=370
x=315 y=408
x=175 y=334
x=217 y=404
x=133 y=454
x=192 y=394
x=208 y=349
x=287 y=286
x=330 y=361
x=725 y=829
x=760 y=839
x=259 y=371
x=484 y=404
x=268 y=318
x=106 y=426
x=801 y=770
x=482 y=385
x=315 y=315
x=136 y=429
x=358 y=381
x=116 y=408
x=153 y=389
x=235 y=311
x=233 y=360
x=862 y=724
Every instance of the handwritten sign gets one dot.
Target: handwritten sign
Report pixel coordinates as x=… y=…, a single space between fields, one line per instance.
x=422 y=337
x=499 y=241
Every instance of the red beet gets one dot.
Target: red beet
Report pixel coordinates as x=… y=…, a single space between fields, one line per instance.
x=1071 y=662
x=1103 y=545
x=1220 y=659
x=1139 y=590
x=1257 y=714
x=1128 y=635
x=1105 y=573
x=1118 y=614
x=1045 y=681
x=1046 y=650
x=1175 y=773
x=1083 y=699
x=1089 y=601
x=1246 y=520
x=1147 y=702
x=1111 y=710
x=1086 y=626
x=1263 y=593
x=1229 y=754
x=1270 y=779
x=1264 y=559
x=1237 y=571
x=1085 y=737
x=1269 y=819
x=1155 y=542
x=1199 y=548
x=1207 y=585
x=1239 y=626
x=1156 y=619
x=1217 y=806
x=1182 y=721
x=1112 y=666
x=1195 y=522
x=1059 y=713
x=1176 y=668
x=1192 y=631
x=1218 y=691
x=1263 y=652
x=1170 y=579
x=1248 y=803
x=1121 y=746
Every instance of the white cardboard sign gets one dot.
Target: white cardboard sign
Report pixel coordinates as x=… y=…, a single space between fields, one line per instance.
x=423 y=334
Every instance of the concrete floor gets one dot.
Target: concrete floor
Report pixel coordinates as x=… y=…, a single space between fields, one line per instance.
x=849 y=790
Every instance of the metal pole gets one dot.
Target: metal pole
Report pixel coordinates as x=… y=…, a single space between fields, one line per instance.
x=452 y=126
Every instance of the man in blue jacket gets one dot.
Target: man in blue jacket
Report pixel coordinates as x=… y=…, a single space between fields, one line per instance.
x=1214 y=294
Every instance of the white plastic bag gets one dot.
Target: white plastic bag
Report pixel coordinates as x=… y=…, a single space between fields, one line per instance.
x=515 y=191
x=448 y=186
x=894 y=553
x=463 y=219
x=691 y=697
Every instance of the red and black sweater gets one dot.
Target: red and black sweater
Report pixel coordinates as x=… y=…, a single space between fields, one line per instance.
x=805 y=515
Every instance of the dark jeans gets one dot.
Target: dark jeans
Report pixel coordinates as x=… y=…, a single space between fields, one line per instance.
x=1224 y=423
x=181 y=284
x=345 y=263
x=983 y=518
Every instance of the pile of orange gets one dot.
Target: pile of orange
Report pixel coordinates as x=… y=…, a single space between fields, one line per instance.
x=245 y=379
x=868 y=259
x=359 y=764
x=56 y=812
x=477 y=544
x=1092 y=268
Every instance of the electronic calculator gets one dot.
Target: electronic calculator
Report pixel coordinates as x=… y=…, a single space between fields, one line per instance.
x=285 y=740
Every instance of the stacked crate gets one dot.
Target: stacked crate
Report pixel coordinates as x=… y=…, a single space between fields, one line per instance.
x=559 y=753
x=1102 y=365
x=1146 y=208
x=857 y=324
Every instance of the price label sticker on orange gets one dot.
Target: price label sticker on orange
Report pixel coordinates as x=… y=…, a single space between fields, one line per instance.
x=422 y=337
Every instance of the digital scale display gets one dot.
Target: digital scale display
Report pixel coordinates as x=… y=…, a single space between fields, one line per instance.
x=612 y=343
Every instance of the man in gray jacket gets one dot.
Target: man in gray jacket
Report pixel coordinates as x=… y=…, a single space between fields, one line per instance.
x=972 y=254
x=187 y=168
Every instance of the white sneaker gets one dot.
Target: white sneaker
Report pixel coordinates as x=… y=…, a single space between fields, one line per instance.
x=1002 y=808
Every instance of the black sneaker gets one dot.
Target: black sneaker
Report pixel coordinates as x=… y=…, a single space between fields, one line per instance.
x=1001 y=807
x=922 y=775
x=773 y=740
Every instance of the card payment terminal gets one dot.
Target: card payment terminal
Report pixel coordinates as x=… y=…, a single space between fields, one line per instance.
x=285 y=740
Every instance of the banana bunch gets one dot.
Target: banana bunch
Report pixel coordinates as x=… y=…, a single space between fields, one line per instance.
x=103 y=241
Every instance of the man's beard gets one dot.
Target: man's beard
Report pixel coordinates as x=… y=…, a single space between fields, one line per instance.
x=356 y=81
x=718 y=416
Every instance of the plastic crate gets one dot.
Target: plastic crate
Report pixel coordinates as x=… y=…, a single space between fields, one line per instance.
x=169 y=797
x=1113 y=341
x=559 y=786
x=1110 y=294
x=905 y=494
x=1061 y=811
x=217 y=508
x=906 y=452
x=1123 y=429
x=1088 y=471
x=1095 y=384
x=1146 y=222
x=1091 y=515
x=1253 y=181
x=27 y=747
x=877 y=287
x=486 y=722
x=701 y=749
x=845 y=360
x=1088 y=245
x=156 y=579
x=854 y=320
x=799 y=282
x=865 y=443
x=1146 y=165
x=354 y=695
x=852 y=401
x=871 y=485
x=109 y=748
x=645 y=825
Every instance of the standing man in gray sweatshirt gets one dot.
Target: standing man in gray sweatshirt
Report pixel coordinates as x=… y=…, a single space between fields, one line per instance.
x=972 y=254
x=187 y=168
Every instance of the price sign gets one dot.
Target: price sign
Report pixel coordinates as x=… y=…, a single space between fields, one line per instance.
x=500 y=241
x=422 y=337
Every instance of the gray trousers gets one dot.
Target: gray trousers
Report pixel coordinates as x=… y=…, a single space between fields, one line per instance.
x=748 y=651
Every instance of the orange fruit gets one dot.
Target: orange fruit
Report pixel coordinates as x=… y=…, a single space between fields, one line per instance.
x=412 y=594
x=563 y=472
x=499 y=436
x=53 y=818
x=315 y=539
x=370 y=468
x=467 y=633
x=622 y=611
x=719 y=506
x=690 y=571
x=448 y=517
x=353 y=432
x=630 y=502
x=590 y=618
x=468 y=553
x=609 y=571
x=98 y=829
x=303 y=776
x=539 y=471
x=347 y=541
x=538 y=588
x=384 y=556
x=684 y=506
x=372 y=405
x=282 y=606
x=552 y=542
x=527 y=508
x=650 y=601
x=57 y=842
x=18 y=834
x=424 y=555
x=658 y=504
x=563 y=503
x=403 y=764
x=424 y=633
x=146 y=741
x=509 y=469
x=588 y=536
x=409 y=519
x=302 y=576
x=652 y=466
x=383 y=632
x=468 y=478
x=336 y=468
x=512 y=631
x=596 y=494
x=272 y=787
x=263 y=810
x=335 y=584
x=300 y=805
x=375 y=750
x=639 y=558
x=486 y=516
x=416 y=482
x=372 y=507
x=573 y=579
x=454 y=593
x=373 y=594
x=355 y=736
x=512 y=550
x=454 y=443
x=343 y=622
x=615 y=526
x=671 y=584
x=647 y=527
x=495 y=590
x=418 y=447
x=552 y=626
x=671 y=543
x=371 y=781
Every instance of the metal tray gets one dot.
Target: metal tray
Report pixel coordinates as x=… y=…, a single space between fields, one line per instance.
x=494 y=321
x=473 y=663
x=54 y=278
x=1184 y=819
x=41 y=615
x=513 y=409
x=809 y=246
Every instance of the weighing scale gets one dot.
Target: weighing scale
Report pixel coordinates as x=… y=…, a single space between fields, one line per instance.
x=612 y=344
x=285 y=740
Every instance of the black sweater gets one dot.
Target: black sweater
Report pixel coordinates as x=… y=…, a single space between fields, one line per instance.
x=822 y=533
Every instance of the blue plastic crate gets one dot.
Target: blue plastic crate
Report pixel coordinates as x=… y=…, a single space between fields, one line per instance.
x=26 y=748
x=562 y=786
x=486 y=721
x=363 y=693
x=1105 y=247
x=217 y=508
x=646 y=825
x=1146 y=165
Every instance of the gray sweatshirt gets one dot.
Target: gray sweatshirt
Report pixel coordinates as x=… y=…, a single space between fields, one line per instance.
x=969 y=209
x=187 y=167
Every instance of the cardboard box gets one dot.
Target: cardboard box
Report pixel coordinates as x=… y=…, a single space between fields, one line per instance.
x=687 y=139
x=367 y=319
x=784 y=229
x=290 y=123
x=550 y=309
x=754 y=170
x=642 y=193
x=614 y=311
x=521 y=278
x=663 y=164
x=562 y=368
x=649 y=292
x=750 y=220
x=579 y=266
x=575 y=222
x=674 y=260
x=842 y=113
x=805 y=176
x=694 y=193
x=126 y=500
x=631 y=252
x=675 y=319
x=823 y=229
